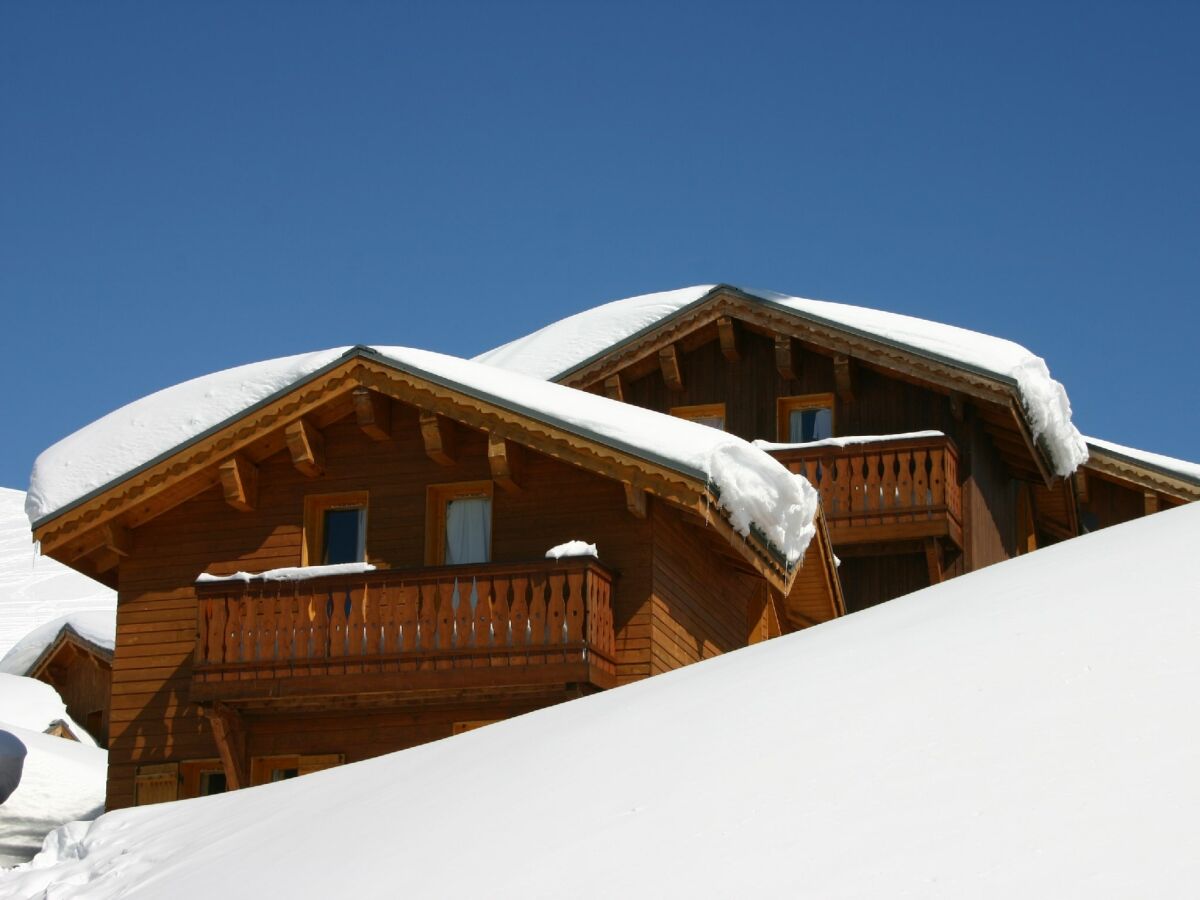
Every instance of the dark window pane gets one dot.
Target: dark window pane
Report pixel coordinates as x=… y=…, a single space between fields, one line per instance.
x=810 y=425
x=212 y=783
x=343 y=540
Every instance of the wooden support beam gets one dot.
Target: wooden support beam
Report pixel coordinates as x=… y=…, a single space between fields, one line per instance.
x=668 y=361
x=614 y=388
x=843 y=378
x=440 y=438
x=117 y=538
x=505 y=459
x=1151 y=502
x=958 y=405
x=728 y=334
x=785 y=357
x=230 y=738
x=239 y=481
x=104 y=560
x=373 y=412
x=933 y=559
x=1081 y=485
x=307 y=446
x=635 y=500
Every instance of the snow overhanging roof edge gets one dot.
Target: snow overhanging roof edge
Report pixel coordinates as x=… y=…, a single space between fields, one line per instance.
x=362 y=351
x=1007 y=380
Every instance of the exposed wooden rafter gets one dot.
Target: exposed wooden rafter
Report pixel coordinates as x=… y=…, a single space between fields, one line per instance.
x=306 y=444
x=239 y=481
x=373 y=412
x=440 y=438
x=505 y=460
x=727 y=331
x=635 y=500
x=843 y=377
x=668 y=361
x=933 y=559
x=1151 y=502
x=1081 y=485
x=117 y=538
x=958 y=405
x=785 y=357
x=614 y=388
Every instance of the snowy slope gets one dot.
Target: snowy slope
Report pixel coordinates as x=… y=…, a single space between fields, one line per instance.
x=1026 y=730
x=36 y=589
x=564 y=345
x=61 y=780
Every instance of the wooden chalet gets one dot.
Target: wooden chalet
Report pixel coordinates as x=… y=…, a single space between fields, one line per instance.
x=1118 y=483
x=80 y=669
x=947 y=478
x=420 y=509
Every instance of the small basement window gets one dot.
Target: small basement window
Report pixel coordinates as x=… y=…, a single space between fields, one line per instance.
x=710 y=414
x=335 y=529
x=804 y=419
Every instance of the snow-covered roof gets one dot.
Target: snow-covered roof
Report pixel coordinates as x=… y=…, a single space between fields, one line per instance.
x=559 y=348
x=1179 y=468
x=1003 y=734
x=96 y=627
x=756 y=491
x=36 y=589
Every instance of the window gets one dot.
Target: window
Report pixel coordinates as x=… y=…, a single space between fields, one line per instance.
x=267 y=769
x=335 y=529
x=201 y=778
x=805 y=419
x=458 y=523
x=710 y=414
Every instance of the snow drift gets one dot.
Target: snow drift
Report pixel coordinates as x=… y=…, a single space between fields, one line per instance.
x=1028 y=729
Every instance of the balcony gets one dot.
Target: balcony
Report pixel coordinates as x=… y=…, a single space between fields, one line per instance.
x=446 y=633
x=885 y=491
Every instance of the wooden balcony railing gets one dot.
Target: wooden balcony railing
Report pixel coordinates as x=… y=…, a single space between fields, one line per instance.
x=475 y=626
x=887 y=490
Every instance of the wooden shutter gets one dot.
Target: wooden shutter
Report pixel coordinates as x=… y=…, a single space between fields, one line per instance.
x=157 y=783
x=317 y=763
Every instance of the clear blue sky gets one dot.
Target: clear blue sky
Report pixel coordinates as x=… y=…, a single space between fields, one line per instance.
x=187 y=187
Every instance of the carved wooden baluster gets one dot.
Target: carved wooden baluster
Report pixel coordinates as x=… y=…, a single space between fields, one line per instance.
x=537 y=618
x=953 y=494
x=556 y=609
x=283 y=624
x=871 y=490
x=843 y=475
x=464 y=616
x=408 y=598
x=376 y=609
x=501 y=622
x=356 y=624
x=320 y=601
x=519 y=616
x=233 y=630
x=304 y=624
x=264 y=624
x=219 y=608
x=575 y=607
x=427 y=616
x=937 y=474
x=445 y=619
x=483 y=588
x=887 y=487
x=921 y=479
x=906 y=480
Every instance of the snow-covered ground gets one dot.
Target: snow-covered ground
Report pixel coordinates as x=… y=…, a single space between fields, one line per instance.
x=61 y=780
x=36 y=589
x=1026 y=730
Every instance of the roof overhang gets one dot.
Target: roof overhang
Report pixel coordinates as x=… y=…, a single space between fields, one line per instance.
x=188 y=469
x=68 y=636
x=1141 y=473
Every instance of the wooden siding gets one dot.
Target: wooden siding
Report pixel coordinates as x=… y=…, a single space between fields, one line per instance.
x=83 y=681
x=870 y=580
x=152 y=718
x=1110 y=503
x=701 y=605
x=989 y=504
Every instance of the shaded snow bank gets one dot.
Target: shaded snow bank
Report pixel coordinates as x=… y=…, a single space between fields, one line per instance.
x=755 y=490
x=1007 y=733
x=564 y=345
x=29 y=703
x=97 y=627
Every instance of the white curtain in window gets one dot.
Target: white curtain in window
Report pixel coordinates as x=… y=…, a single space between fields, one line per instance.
x=468 y=530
